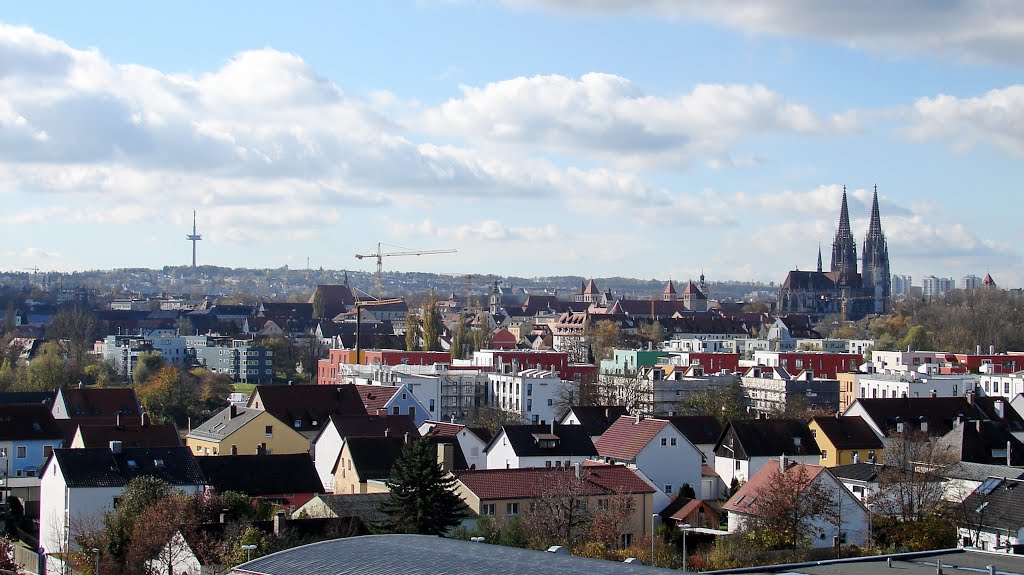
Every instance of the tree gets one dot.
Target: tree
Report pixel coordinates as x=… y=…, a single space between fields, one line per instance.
x=422 y=497
x=492 y=418
x=7 y=564
x=77 y=325
x=785 y=507
x=461 y=340
x=724 y=402
x=148 y=363
x=171 y=395
x=432 y=325
x=119 y=524
x=412 y=332
x=561 y=514
x=917 y=339
x=159 y=537
x=654 y=333
x=47 y=371
x=607 y=336
x=319 y=306
x=910 y=485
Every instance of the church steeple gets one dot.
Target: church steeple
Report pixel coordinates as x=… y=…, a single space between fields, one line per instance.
x=844 y=249
x=876 y=259
x=819 y=258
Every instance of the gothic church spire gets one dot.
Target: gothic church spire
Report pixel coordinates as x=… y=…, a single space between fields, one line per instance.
x=844 y=249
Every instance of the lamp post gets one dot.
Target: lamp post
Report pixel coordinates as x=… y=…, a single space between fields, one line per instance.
x=248 y=552
x=683 y=528
x=96 y=552
x=653 y=516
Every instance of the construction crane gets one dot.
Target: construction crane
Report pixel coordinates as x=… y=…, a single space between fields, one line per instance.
x=380 y=255
x=359 y=305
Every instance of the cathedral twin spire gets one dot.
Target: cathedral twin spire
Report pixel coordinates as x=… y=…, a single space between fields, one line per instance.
x=875 y=252
x=844 y=249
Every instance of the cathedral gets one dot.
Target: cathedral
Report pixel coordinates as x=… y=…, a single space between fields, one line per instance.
x=843 y=290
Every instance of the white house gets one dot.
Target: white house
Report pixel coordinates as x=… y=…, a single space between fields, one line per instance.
x=77 y=485
x=658 y=450
x=747 y=445
x=474 y=447
x=326 y=447
x=532 y=393
x=849 y=525
x=518 y=446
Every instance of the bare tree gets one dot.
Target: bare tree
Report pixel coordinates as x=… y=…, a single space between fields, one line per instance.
x=910 y=484
x=561 y=514
x=785 y=509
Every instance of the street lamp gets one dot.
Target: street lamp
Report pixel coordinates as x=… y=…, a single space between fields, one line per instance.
x=96 y=552
x=683 y=528
x=248 y=552
x=653 y=516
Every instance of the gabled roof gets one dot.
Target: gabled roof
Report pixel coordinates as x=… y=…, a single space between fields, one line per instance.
x=572 y=440
x=373 y=457
x=680 y=507
x=27 y=422
x=596 y=419
x=229 y=420
x=867 y=472
x=376 y=397
x=531 y=482
x=99 y=404
x=628 y=436
x=771 y=437
x=692 y=289
x=997 y=503
x=976 y=441
x=257 y=475
x=848 y=432
x=374 y=425
x=99 y=467
x=149 y=435
x=699 y=429
x=365 y=506
x=940 y=413
x=310 y=405
x=743 y=500
x=443 y=429
x=591 y=289
x=980 y=471
x=44 y=397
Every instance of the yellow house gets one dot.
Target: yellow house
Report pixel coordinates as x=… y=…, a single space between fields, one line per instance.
x=506 y=493
x=245 y=431
x=847 y=389
x=845 y=440
x=364 y=464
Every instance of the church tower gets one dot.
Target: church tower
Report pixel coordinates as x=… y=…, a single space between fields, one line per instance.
x=876 y=278
x=844 y=249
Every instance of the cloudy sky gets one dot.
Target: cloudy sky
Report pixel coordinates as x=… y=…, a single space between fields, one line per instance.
x=645 y=138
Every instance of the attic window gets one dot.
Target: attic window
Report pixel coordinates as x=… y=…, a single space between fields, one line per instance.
x=158 y=462
x=132 y=464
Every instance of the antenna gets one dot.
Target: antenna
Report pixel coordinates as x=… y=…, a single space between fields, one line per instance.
x=193 y=237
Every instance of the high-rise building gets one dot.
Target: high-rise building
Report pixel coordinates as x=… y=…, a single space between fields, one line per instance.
x=901 y=284
x=969 y=282
x=932 y=286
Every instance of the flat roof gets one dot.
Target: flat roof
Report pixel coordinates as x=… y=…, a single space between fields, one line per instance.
x=954 y=562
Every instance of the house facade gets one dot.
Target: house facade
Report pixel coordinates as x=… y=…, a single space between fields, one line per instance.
x=245 y=431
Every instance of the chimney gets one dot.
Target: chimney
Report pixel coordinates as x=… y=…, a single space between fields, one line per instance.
x=1000 y=408
x=578 y=467
x=783 y=464
x=934 y=393
x=552 y=427
x=279 y=522
x=446 y=456
x=970 y=397
x=232 y=411
x=115 y=447
x=607 y=413
x=979 y=349
x=991 y=350
x=856 y=457
x=1008 y=457
x=142 y=419
x=639 y=417
x=387 y=432
x=118 y=424
x=223 y=518
x=407 y=437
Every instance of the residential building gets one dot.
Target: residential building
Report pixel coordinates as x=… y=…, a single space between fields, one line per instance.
x=823 y=364
x=518 y=446
x=28 y=436
x=969 y=282
x=532 y=393
x=328 y=443
x=912 y=384
x=696 y=513
x=94 y=405
x=773 y=391
x=933 y=287
x=747 y=445
x=657 y=450
x=663 y=390
x=243 y=360
x=845 y=441
x=130 y=435
x=365 y=463
x=595 y=419
x=245 y=431
x=287 y=481
x=901 y=285
x=853 y=527
x=980 y=441
x=78 y=485
x=935 y=416
x=306 y=408
x=702 y=430
x=472 y=440
x=861 y=479
x=505 y=493
x=396 y=400
x=628 y=361
x=995 y=516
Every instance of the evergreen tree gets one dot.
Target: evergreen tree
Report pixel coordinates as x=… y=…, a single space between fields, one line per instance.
x=432 y=326
x=423 y=498
x=412 y=332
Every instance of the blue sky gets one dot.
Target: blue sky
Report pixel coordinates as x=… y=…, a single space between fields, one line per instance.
x=646 y=138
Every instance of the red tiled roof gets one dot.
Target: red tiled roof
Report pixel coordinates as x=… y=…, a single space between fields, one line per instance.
x=670 y=288
x=591 y=289
x=532 y=482
x=628 y=436
x=744 y=499
x=376 y=397
x=100 y=405
x=708 y=471
x=442 y=429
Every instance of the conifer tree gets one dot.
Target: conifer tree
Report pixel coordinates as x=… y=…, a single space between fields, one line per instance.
x=423 y=498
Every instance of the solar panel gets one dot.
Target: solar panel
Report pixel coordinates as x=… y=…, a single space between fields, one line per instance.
x=989 y=485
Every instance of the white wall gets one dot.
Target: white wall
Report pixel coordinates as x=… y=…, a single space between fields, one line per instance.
x=671 y=465
x=325 y=454
x=502 y=456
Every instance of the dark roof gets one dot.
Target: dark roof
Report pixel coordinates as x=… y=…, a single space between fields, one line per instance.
x=698 y=428
x=809 y=280
x=365 y=506
x=848 y=432
x=997 y=503
x=227 y=421
x=771 y=437
x=374 y=425
x=100 y=405
x=531 y=482
x=45 y=397
x=978 y=440
x=26 y=422
x=979 y=471
x=459 y=457
x=149 y=435
x=940 y=413
x=99 y=467
x=572 y=440
x=373 y=457
x=257 y=475
x=596 y=419
x=310 y=405
x=429 y=555
x=867 y=472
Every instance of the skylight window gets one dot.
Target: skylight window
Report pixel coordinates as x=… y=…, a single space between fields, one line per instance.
x=989 y=485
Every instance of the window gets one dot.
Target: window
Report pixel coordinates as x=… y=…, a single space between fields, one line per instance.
x=298 y=423
x=3 y=452
x=602 y=504
x=627 y=539
x=22 y=452
x=547 y=463
x=737 y=465
x=668 y=489
x=487 y=509
x=664 y=441
x=269 y=431
x=199 y=449
x=396 y=410
x=558 y=464
x=431 y=405
x=824 y=454
x=511 y=509
x=672 y=442
x=529 y=405
x=550 y=402
x=568 y=463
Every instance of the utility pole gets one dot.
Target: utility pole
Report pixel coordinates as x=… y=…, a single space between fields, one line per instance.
x=193 y=237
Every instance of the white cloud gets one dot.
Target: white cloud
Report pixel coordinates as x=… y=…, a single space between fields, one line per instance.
x=608 y=117
x=996 y=116
x=488 y=230
x=955 y=29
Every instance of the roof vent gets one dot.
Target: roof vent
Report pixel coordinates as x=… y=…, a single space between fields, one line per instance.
x=115 y=447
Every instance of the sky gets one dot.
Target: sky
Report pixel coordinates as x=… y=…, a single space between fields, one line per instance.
x=640 y=138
